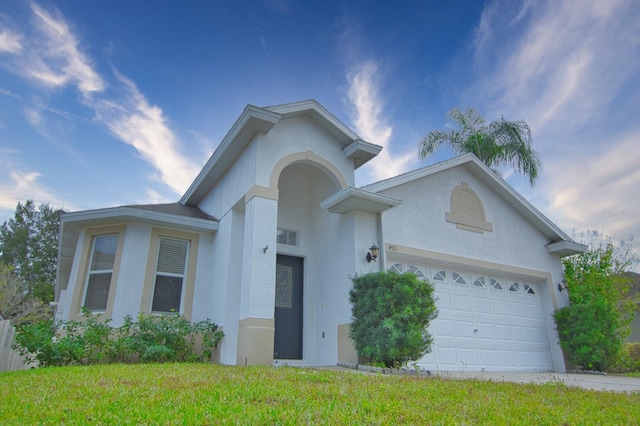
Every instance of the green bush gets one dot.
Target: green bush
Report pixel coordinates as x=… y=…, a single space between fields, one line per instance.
x=628 y=360
x=391 y=313
x=152 y=338
x=589 y=334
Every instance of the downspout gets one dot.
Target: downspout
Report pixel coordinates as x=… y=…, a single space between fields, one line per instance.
x=383 y=250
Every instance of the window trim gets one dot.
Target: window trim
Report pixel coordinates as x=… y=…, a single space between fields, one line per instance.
x=82 y=278
x=188 y=285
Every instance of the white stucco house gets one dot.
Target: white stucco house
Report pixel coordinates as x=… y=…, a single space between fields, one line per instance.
x=264 y=242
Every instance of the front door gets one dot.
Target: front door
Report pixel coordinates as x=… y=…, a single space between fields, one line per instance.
x=288 y=313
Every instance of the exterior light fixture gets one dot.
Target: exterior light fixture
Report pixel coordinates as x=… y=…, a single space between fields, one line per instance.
x=562 y=285
x=373 y=252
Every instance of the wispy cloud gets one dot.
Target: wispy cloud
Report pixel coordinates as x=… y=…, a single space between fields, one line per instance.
x=144 y=126
x=52 y=57
x=367 y=115
x=9 y=42
x=570 y=70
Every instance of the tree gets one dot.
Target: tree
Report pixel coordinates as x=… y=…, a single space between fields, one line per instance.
x=391 y=313
x=15 y=304
x=500 y=143
x=29 y=244
x=592 y=329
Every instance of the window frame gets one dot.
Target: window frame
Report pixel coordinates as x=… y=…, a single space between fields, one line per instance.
x=188 y=284
x=84 y=270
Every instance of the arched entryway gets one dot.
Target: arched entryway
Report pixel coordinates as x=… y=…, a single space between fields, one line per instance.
x=304 y=232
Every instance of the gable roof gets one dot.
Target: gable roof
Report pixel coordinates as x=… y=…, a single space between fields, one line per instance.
x=255 y=120
x=559 y=242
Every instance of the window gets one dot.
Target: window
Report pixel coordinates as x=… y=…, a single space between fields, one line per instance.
x=528 y=289
x=458 y=279
x=287 y=237
x=514 y=288
x=170 y=274
x=479 y=282
x=397 y=267
x=440 y=276
x=495 y=284
x=418 y=272
x=103 y=255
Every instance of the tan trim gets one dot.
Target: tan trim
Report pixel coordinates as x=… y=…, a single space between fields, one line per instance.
x=150 y=273
x=444 y=259
x=81 y=278
x=308 y=156
x=262 y=192
x=256 y=338
x=346 y=349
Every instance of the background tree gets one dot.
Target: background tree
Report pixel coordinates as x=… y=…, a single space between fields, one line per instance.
x=499 y=143
x=29 y=244
x=15 y=304
x=592 y=329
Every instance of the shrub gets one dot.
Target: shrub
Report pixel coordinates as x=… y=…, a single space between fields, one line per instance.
x=391 y=313
x=592 y=329
x=589 y=334
x=628 y=360
x=152 y=338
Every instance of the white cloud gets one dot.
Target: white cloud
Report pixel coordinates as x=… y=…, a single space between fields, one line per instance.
x=368 y=119
x=571 y=71
x=59 y=60
x=143 y=126
x=52 y=57
x=10 y=42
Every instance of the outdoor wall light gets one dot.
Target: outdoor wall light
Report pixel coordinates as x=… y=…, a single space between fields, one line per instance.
x=562 y=285
x=373 y=252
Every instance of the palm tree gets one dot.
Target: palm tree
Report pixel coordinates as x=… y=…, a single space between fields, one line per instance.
x=501 y=142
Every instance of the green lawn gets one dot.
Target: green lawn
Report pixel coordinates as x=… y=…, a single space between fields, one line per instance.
x=210 y=394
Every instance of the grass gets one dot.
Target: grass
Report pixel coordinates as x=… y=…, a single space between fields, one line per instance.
x=212 y=394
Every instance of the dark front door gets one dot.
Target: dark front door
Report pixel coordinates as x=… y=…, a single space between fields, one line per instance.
x=288 y=335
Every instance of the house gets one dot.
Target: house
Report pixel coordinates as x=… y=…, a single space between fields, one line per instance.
x=265 y=239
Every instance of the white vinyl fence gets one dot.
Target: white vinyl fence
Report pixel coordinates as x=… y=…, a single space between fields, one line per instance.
x=10 y=360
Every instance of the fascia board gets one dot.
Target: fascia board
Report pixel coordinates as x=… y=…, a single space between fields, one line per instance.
x=360 y=152
x=566 y=248
x=123 y=214
x=321 y=115
x=252 y=120
x=343 y=201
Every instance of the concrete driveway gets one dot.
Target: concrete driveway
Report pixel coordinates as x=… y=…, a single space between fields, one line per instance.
x=586 y=381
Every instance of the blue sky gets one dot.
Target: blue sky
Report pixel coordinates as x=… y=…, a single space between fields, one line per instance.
x=112 y=102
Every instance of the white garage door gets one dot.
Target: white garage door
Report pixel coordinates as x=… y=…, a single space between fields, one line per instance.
x=486 y=322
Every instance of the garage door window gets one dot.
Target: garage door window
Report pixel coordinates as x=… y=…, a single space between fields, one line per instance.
x=458 y=279
x=440 y=276
x=479 y=282
x=496 y=285
x=528 y=289
x=514 y=288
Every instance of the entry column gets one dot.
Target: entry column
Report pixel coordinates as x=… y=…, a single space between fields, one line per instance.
x=257 y=294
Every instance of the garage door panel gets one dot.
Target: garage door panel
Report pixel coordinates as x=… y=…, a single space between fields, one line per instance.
x=443 y=300
x=481 y=305
x=516 y=309
x=462 y=303
x=503 y=332
x=465 y=329
x=484 y=330
x=488 y=357
x=444 y=328
x=468 y=356
x=499 y=307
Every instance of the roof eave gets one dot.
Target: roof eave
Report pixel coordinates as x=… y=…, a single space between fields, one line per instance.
x=252 y=120
x=350 y=199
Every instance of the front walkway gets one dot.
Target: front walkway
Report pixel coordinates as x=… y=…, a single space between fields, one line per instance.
x=597 y=382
